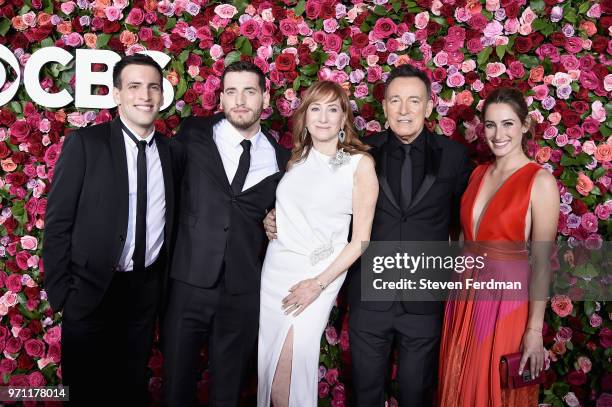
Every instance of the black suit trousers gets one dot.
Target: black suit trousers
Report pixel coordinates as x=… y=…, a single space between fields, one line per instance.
x=229 y=322
x=372 y=334
x=105 y=353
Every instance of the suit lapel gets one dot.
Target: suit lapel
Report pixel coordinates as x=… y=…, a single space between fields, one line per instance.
x=117 y=145
x=382 y=176
x=281 y=162
x=164 y=158
x=433 y=156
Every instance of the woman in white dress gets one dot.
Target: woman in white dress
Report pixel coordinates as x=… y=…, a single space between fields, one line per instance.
x=330 y=178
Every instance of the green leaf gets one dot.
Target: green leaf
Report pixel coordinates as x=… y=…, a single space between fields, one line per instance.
x=584 y=7
x=296 y=84
x=605 y=130
x=5 y=24
x=596 y=190
x=16 y=107
x=529 y=61
x=183 y=56
x=598 y=173
x=181 y=88
x=186 y=112
x=310 y=70
x=566 y=161
x=500 y=50
x=585 y=271
x=102 y=40
x=397 y=5
x=47 y=42
x=570 y=15
x=299 y=8
x=170 y=24
x=380 y=11
x=244 y=46
x=483 y=56
x=232 y=57
x=537 y=6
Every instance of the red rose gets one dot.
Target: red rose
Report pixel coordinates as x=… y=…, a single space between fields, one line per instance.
x=570 y=119
x=328 y=10
x=285 y=62
x=379 y=92
x=172 y=122
x=313 y=9
x=367 y=111
x=478 y=22
x=579 y=207
x=13 y=345
x=7 y=366
x=16 y=179
x=576 y=378
x=512 y=10
x=4 y=150
x=13 y=283
x=605 y=338
x=190 y=96
x=557 y=39
x=360 y=40
x=155 y=44
x=600 y=43
x=111 y=27
x=36 y=379
x=522 y=45
x=20 y=380
x=19 y=130
x=35 y=348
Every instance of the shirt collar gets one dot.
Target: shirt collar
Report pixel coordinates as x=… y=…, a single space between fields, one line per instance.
x=418 y=143
x=233 y=136
x=147 y=139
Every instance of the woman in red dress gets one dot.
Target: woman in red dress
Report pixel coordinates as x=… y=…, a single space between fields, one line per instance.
x=509 y=201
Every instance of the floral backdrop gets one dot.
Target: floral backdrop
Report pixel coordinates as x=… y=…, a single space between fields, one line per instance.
x=557 y=52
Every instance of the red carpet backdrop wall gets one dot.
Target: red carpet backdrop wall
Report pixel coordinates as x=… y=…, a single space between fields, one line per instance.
x=557 y=52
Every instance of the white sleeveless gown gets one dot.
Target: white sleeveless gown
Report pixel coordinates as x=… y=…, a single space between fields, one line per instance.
x=314 y=203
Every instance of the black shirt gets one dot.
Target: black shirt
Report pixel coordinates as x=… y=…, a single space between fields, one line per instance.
x=396 y=158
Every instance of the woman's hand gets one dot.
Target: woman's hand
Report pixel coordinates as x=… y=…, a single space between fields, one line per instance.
x=270 y=224
x=301 y=295
x=533 y=350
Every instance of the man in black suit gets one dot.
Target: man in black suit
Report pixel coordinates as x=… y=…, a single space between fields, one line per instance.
x=108 y=222
x=231 y=170
x=422 y=176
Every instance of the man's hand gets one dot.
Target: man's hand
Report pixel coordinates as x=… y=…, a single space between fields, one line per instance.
x=270 y=224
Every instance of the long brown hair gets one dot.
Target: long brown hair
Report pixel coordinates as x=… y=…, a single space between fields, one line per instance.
x=302 y=141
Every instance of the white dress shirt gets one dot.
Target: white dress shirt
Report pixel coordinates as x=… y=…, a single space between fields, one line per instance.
x=156 y=202
x=263 y=155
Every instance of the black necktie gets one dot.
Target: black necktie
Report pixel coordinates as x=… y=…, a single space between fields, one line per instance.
x=140 y=243
x=406 y=177
x=243 y=167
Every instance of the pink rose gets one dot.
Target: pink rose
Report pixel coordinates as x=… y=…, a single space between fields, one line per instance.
x=595 y=321
x=590 y=125
x=571 y=400
x=517 y=70
x=53 y=335
x=113 y=13
x=20 y=130
x=7 y=366
x=421 y=20
x=331 y=335
x=13 y=345
x=447 y=125
x=35 y=347
x=603 y=211
x=374 y=73
x=561 y=140
x=135 y=17
x=212 y=84
x=561 y=305
x=384 y=27
x=495 y=69
x=455 y=80
x=54 y=352
x=332 y=376
x=564 y=334
x=589 y=222
x=22 y=260
x=333 y=42
x=209 y=100
x=573 y=45
x=13 y=283
x=29 y=242
x=225 y=11
x=361 y=91
x=284 y=107
x=288 y=27
x=493 y=29
x=338 y=393
x=584 y=184
x=36 y=379
x=603 y=153
x=605 y=337
x=576 y=132
x=474 y=45
x=250 y=29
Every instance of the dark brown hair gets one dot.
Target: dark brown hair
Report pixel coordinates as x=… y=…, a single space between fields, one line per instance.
x=302 y=142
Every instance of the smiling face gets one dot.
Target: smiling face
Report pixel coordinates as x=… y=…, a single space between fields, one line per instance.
x=503 y=129
x=139 y=97
x=243 y=100
x=324 y=119
x=406 y=107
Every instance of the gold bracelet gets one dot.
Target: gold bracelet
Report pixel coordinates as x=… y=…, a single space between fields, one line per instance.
x=320 y=284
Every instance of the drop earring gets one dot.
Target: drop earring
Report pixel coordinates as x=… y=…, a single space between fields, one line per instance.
x=341 y=135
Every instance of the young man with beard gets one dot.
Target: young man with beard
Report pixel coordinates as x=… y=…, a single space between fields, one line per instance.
x=108 y=223
x=230 y=170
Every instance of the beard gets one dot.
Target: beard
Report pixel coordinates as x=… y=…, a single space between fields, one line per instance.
x=244 y=122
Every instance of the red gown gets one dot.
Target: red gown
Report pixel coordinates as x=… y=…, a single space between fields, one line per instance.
x=477 y=333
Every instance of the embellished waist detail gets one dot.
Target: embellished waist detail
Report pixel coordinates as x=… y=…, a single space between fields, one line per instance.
x=321 y=253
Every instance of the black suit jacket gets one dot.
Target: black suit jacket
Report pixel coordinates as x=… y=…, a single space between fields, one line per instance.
x=87 y=215
x=433 y=211
x=219 y=232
